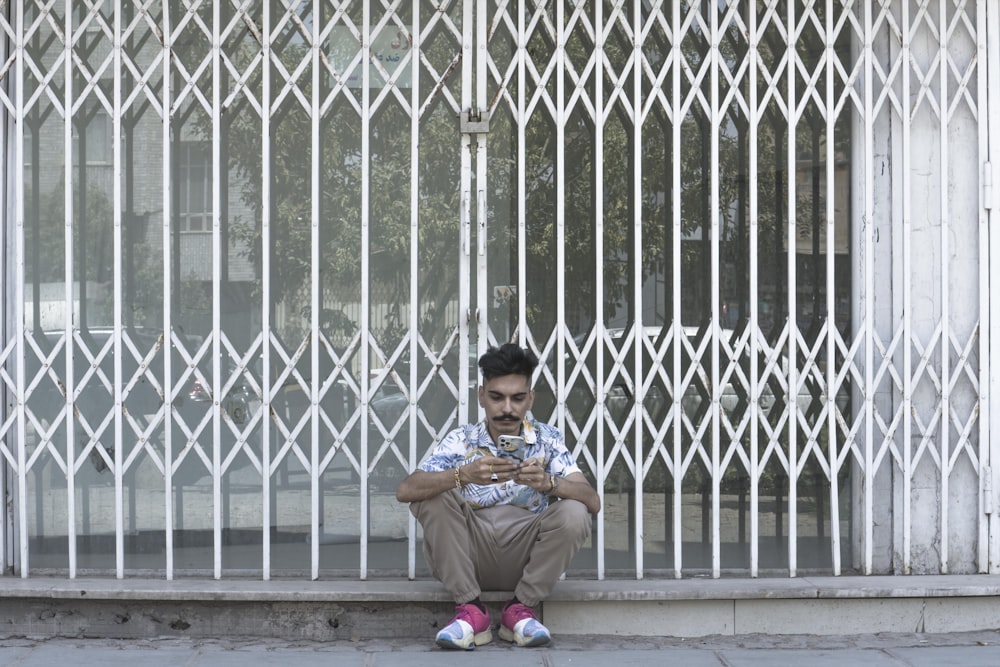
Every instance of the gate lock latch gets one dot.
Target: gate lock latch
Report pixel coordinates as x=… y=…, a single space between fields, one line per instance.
x=475 y=122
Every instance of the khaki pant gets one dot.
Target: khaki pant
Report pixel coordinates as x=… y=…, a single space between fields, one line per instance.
x=500 y=548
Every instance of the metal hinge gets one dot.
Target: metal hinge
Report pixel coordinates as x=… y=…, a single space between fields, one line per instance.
x=987 y=474
x=474 y=121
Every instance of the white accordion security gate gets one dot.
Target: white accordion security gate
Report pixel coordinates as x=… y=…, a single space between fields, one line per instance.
x=251 y=251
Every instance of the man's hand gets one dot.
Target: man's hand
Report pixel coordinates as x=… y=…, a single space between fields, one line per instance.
x=574 y=485
x=531 y=472
x=489 y=470
x=421 y=485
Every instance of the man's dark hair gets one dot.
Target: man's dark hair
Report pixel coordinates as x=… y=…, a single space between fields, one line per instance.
x=508 y=359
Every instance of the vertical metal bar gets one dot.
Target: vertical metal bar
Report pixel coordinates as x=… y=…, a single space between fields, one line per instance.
x=983 y=371
x=465 y=200
x=638 y=339
x=315 y=298
x=833 y=453
x=68 y=210
x=792 y=322
x=19 y=277
x=366 y=111
x=599 y=121
x=677 y=324
x=413 y=380
x=267 y=464
x=716 y=121
x=562 y=36
x=988 y=23
x=480 y=103
x=168 y=364
x=216 y=287
x=480 y=58
x=754 y=306
x=867 y=246
x=945 y=231
x=560 y=182
x=6 y=210
x=522 y=148
x=907 y=232
x=116 y=143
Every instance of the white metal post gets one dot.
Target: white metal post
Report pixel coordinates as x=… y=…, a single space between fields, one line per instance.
x=366 y=305
x=833 y=454
x=676 y=263
x=116 y=141
x=989 y=15
x=904 y=215
x=753 y=126
x=715 y=112
x=945 y=292
x=269 y=460
x=481 y=105
x=19 y=511
x=216 y=383
x=167 y=296
x=68 y=105
x=413 y=380
x=6 y=520
x=600 y=468
x=868 y=271
x=315 y=302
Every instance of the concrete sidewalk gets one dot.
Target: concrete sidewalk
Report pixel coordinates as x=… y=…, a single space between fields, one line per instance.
x=977 y=649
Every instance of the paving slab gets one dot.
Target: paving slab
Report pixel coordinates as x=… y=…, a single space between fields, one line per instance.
x=284 y=658
x=948 y=656
x=636 y=658
x=12 y=654
x=88 y=655
x=476 y=658
x=808 y=658
x=979 y=649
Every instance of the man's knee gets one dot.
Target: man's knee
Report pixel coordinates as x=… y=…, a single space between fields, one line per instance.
x=570 y=516
x=439 y=503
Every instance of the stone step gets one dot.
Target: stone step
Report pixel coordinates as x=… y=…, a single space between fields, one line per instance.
x=350 y=609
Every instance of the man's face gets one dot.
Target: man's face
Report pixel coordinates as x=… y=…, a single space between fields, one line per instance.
x=506 y=399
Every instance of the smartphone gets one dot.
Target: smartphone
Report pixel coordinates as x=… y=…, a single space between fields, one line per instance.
x=511 y=446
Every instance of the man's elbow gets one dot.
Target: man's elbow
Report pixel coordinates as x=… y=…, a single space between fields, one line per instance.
x=402 y=495
x=403 y=492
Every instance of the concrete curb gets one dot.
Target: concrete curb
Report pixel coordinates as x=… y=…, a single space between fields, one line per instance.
x=330 y=610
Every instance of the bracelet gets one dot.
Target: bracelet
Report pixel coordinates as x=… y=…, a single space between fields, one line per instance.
x=458 y=480
x=554 y=483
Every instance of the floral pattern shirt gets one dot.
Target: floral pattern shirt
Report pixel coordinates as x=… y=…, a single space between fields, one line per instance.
x=467 y=443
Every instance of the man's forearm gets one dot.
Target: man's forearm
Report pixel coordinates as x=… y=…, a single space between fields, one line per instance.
x=576 y=487
x=421 y=485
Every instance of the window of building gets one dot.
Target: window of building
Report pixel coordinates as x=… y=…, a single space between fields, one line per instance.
x=93 y=136
x=194 y=183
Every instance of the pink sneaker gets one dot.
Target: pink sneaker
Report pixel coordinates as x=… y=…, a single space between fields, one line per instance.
x=520 y=626
x=470 y=628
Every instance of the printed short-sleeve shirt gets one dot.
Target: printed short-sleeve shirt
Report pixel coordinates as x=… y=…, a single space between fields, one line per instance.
x=469 y=442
